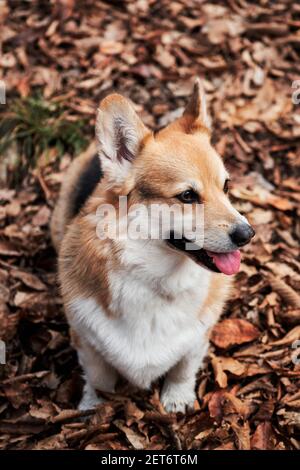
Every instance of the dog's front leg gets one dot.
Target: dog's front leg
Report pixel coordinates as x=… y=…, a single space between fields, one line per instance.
x=178 y=391
x=97 y=373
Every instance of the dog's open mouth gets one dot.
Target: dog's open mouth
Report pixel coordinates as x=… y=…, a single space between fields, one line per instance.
x=226 y=263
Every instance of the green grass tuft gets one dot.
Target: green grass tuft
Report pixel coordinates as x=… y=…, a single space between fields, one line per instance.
x=38 y=126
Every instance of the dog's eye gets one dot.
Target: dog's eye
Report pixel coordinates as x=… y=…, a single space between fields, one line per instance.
x=226 y=186
x=188 y=197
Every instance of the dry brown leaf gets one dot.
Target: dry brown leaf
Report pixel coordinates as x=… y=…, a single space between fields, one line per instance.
x=221 y=364
x=42 y=216
x=135 y=439
x=285 y=291
x=231 y=332
x=261 y=196
x=261 y=439
x=234 y=405
x=133 y=413
x=30 y=280
x=289 y=418
x=8 y=249
x=289 y=338
x=242 y=433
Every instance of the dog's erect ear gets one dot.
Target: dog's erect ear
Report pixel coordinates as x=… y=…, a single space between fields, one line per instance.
x=120 y=132
x=195 y=114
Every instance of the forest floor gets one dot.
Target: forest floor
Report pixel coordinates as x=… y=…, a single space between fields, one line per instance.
x=63 y=57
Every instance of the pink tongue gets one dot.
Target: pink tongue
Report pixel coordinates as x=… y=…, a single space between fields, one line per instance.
x=227 y=263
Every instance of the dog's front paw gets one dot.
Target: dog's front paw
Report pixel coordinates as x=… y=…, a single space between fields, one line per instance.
x=89 y=399
x=177 y=398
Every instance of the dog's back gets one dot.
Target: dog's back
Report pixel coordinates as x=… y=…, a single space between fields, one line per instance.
x=82 y=177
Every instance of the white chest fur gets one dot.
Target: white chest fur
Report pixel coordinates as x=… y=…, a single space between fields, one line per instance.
x=149 y=333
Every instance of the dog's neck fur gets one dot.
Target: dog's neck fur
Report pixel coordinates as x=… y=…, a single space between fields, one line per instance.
x=153 y=262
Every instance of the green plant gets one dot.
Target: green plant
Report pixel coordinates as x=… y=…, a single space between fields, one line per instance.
x=38 y=126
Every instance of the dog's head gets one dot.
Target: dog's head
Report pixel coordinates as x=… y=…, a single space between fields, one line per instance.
x=177 y=166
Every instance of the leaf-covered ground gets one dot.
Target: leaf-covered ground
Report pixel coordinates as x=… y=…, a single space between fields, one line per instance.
x=75 y=53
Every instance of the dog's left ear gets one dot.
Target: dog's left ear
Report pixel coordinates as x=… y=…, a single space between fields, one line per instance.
x=120 y=132
x=195 y=115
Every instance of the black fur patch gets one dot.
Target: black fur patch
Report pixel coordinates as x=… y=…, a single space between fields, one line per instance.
x=86 y=184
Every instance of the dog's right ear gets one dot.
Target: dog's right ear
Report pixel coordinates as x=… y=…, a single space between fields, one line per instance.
x=195 y=115
x=120 y=132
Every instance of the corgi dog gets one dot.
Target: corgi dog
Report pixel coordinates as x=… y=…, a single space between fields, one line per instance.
x=143 y=308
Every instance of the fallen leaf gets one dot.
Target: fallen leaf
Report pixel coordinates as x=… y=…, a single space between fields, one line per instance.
x=137 y=441
x=261 y=439
x=231 y=332
x=30 y=280
x=289 y=338
x=222 y=364
x=42 y=216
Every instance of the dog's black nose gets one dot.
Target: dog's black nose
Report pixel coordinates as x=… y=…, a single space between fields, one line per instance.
x=242 y=234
